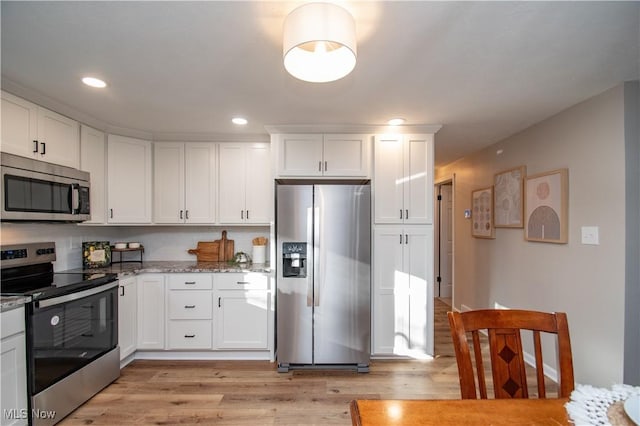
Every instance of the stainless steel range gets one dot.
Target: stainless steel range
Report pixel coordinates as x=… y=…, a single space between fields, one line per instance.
x=71 y=330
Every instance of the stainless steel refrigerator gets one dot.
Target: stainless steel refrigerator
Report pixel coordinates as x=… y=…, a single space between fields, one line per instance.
x=323 y=302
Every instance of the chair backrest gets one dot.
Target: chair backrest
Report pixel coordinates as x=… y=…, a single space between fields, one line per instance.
x=503 y=328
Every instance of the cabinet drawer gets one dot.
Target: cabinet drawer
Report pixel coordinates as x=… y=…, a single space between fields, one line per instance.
x=195 y=304
x=189 y=281
x=241 y=281
x=190 y=334
x=13 y=322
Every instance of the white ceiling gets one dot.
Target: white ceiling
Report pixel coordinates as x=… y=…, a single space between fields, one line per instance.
x=483 y=70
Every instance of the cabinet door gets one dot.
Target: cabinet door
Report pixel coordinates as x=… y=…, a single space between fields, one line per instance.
x=300 y=155
x=242 y=320
x=418 y=269
x=127 y=324
x=346 y=155
x=129 y=180
x=151 y=311
x=418 y=179
x=13 y=362
x=93 y=160
x=200 y=182
x=388 y=179
x=390 y=292
x=232 y=188
x=168 y=182
x=19 y=126
x=59 y=138
x=259 y=184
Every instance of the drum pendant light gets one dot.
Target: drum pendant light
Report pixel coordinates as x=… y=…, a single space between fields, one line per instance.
x=319 y=43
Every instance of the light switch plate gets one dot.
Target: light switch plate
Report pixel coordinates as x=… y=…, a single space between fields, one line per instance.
x=590 y=235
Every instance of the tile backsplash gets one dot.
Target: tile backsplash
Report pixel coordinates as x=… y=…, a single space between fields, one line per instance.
x=160 y=242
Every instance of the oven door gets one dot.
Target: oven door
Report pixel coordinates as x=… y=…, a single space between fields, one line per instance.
x=68 y=332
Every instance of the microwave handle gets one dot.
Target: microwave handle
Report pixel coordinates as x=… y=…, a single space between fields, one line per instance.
x=75 y=198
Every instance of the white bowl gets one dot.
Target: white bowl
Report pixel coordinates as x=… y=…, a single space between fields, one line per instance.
x=134 y=245
x=120 y=245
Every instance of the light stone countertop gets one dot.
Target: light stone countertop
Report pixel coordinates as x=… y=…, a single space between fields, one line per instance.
x=133 y=268
x=8 y=303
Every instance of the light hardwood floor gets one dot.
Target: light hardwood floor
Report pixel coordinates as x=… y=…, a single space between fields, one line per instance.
x=254 y=393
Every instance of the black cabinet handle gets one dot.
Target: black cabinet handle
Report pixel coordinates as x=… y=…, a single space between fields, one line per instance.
x=186 y=214
x=35 y=146
x=247 y=214
x=219 y=300
x=111 y=213
x=121 y=291
x=180 y=214
x=189 y=306
x=189 y=336
x=44 y=148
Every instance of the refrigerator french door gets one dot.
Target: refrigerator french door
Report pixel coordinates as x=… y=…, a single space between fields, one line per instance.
x=323 y=305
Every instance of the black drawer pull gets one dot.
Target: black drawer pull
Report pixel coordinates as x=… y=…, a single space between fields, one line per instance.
x=189 y=306
x=189 y=336
x=189 y=282
x=243 y=282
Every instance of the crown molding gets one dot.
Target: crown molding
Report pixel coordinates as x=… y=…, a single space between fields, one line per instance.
x=352 y=128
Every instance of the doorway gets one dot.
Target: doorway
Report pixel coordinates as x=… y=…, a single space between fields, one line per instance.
x=444 y=242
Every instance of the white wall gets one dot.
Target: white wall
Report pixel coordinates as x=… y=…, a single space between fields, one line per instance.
x=585 y=281
x=160 y=242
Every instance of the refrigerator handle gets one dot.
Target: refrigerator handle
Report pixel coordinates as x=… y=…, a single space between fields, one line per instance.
x=317 y=256
x=310 y=257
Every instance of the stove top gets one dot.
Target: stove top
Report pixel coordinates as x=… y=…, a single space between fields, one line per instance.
x=27 y=271
x=52 y=285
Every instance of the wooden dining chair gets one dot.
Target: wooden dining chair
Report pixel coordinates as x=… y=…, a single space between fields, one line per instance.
x=503 y=328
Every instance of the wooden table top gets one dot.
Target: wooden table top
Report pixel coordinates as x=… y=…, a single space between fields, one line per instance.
x=495 y=412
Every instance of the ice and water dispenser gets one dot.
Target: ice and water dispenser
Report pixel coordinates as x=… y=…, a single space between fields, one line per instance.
x=294 y=260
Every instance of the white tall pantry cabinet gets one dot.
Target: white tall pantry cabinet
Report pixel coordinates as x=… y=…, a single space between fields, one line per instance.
x=403 y=245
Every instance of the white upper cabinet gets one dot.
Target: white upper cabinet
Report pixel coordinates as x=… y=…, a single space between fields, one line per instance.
x=129 y=180
x=403 y=179
x=184 y=182
x=246 y=185
x=32 y=131
x=318 y=155
x=93 y=160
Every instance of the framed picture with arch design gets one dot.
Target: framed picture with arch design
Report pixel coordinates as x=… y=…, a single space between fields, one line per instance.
x=546 y=207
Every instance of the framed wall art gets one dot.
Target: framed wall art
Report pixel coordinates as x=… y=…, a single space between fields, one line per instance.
x=508 y=201
x=482 y=213
x=546 y=207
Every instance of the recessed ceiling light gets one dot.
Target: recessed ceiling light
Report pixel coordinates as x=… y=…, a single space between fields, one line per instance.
x=239 y=121
x=94 y=82
x=395 y=121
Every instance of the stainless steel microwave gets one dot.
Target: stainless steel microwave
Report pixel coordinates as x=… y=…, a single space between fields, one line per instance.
x=34 y=190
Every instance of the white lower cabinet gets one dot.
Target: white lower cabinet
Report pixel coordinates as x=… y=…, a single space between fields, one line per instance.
x=201 y=311
x=242 y=311
x=127 y=318
x=14 y=368
x=190 y=311
x=151 y=311
x=403 y=290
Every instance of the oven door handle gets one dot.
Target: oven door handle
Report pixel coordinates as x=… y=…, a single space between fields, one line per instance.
x=75 y=296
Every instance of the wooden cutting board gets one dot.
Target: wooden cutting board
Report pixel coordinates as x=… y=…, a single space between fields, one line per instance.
x=227 y=250
x=215 y=251
x=207 y=251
